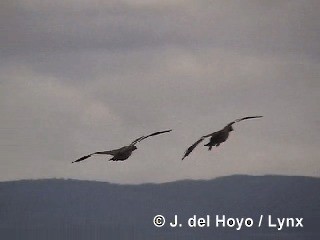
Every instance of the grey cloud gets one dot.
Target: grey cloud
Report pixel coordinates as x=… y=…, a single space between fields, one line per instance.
x=287 y=26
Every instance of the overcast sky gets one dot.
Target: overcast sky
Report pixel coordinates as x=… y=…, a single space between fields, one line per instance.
x=80 y=76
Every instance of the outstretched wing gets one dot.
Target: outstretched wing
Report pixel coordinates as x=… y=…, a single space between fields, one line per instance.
x=83 y=158
x=193 y=146
x=150 y=135
x=112 y=152
x=244 y=118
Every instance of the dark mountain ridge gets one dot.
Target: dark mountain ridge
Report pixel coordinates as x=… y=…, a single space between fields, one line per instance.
x=77 y=209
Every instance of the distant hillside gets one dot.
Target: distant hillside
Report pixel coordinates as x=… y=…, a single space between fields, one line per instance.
x=73 y=209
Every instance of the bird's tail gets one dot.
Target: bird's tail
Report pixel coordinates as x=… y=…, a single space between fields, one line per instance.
x=210 y=147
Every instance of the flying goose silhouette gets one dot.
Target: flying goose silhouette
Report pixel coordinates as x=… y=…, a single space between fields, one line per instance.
x=122 y=153
x=216 y=137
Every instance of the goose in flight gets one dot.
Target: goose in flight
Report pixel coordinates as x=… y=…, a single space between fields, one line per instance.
x=122 y=153
x=216 y=137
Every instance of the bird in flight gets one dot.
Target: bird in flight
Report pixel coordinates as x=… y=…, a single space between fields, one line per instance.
x=216 y=137
x=122 y=153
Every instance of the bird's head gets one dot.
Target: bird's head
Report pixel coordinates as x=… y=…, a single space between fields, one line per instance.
x=229 y=128
x=133 y=148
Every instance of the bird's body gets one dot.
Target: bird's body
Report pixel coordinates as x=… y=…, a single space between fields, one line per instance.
x=122 y=153
x=216 y=138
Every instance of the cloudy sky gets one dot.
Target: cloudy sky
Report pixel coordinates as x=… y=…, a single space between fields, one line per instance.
x=78 y=76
